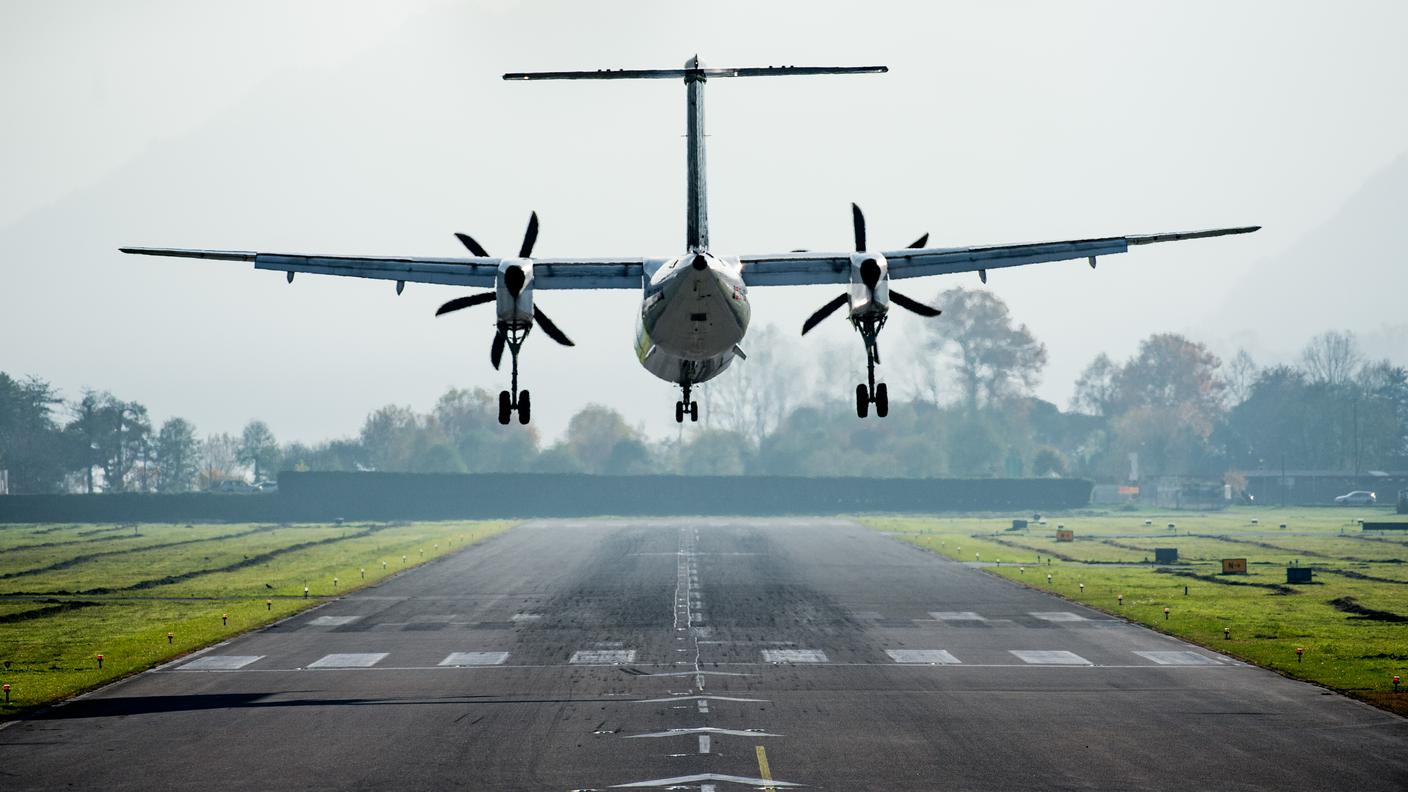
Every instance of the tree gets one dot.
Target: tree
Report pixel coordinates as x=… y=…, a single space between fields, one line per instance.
x=258 y=448
x=219 y=459
x=593 y=433
x=1169 y=371
x=86 y=432
x=1331 y=358
x=32 y=448
x=389 y=437
x=991 y=355
x=1240 y=376
x=1048 y=462
x=757 y=393
x=1095 y=391
x=177 y=456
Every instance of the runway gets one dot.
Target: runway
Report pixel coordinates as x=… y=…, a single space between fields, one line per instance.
x=705 y=654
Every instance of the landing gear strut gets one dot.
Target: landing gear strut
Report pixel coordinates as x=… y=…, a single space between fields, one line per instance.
x=514 y=400
x=686 y=405
x=869 y=392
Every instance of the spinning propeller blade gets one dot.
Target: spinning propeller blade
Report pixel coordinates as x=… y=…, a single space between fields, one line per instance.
x=529 y=237
x=550 y=328
x=822 y=313
x=464 y=302
x=858 y=223
x=474 y=247
x=496 y=350
x=913 y=305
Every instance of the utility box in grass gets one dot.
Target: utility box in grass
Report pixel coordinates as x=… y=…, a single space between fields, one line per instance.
x=1234 y=566
x=1018 y=525
x=1065 y=535
x=1165 y=555
x=1298 y=574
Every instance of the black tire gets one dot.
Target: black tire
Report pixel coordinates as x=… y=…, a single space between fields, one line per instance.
x=882 y=401
x=525 y=407
x=694 y=412
x=679 y=412
x=505 y=407
x=862 y=400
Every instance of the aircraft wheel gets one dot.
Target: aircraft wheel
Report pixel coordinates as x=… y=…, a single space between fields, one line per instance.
x=525 y=407
x=679 y=412
x=882 y=401
x=862 y=400
x=694 y=412
x=505 y=407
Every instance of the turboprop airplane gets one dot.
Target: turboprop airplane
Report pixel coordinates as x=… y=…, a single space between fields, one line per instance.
x=694 y=308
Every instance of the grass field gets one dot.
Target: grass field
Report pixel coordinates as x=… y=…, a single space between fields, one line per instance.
x=1352 y=621
x=71 y=592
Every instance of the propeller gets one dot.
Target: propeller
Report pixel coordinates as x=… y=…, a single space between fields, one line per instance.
x=870 y=276
x=514 y=280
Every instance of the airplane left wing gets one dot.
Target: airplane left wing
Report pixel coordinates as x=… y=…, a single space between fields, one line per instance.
x=786 y=269
x=547 y=273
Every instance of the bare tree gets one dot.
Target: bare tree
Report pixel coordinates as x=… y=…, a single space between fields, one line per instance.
x=1332 y=358
x=1240 y=376
x=1095 y=391
x=756 y=394
x=991 y=355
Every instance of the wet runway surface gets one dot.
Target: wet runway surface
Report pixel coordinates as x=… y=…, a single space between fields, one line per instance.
x=705 y=654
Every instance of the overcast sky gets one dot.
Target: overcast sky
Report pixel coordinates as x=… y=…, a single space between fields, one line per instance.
x=381 y=128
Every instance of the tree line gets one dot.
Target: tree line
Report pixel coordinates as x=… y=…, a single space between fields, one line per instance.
x=1172 y=408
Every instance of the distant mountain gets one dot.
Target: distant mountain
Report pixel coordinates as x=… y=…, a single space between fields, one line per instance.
x=1350 y=272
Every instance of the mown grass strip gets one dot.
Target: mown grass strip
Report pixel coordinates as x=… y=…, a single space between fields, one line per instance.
x=85 y=558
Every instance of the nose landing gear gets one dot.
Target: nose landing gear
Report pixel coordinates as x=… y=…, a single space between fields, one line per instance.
x=514 y=400
x=686 y=406
x=869 y=392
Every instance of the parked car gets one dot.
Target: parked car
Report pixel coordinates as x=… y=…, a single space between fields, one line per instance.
x=1357 y=498
x=267 y=487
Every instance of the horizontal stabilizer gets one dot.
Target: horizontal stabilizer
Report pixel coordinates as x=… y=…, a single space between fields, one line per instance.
x=708 y=72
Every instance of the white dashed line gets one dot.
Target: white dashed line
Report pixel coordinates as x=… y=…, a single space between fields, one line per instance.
x=220 y=663
x=929 y=656
x=1049 y=657
x=475 y=659
x=795 y=656
x=366 y=660
x=603 y=657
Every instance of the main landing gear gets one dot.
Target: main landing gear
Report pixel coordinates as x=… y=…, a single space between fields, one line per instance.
x=686 y=405
x=514 y=400
x=868 y=393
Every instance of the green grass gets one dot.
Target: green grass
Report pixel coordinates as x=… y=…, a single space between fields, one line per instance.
x=1343 y=651
x=54 y=623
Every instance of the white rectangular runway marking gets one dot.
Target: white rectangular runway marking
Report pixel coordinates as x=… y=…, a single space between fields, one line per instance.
x=703 y=743
x=956 y=616
x=930 y=656
x=795 y=656
x=474 y=659
x=1057 y=616
x=1177 y=658
x=603 y=656
x=351 y=660
x=220 y=662
x=1049 y=657
x=333 y=621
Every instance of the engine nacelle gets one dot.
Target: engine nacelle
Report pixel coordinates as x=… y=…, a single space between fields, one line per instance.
x=513 y=289
x=870 y=285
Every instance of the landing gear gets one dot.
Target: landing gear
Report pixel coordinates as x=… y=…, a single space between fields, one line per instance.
x=686 y=406
x=514 y=400
x=869 y=392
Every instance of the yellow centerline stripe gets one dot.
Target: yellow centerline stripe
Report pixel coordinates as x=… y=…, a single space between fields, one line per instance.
x=763 y=769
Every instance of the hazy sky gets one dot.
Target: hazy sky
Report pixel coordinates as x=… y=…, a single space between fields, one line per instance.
x=349 y=127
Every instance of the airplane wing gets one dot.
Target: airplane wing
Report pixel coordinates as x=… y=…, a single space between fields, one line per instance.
x=787 y=269
x=547 y=273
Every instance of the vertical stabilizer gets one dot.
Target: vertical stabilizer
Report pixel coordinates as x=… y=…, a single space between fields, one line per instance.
x=697 y=212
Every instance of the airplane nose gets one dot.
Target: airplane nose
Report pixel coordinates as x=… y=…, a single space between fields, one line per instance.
x=700 y=263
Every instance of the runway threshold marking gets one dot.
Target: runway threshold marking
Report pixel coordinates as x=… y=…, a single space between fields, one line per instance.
x=475 y=659
x=349 y=660
x=1178 y=658
x=603 y=657
x=923 y=656
x=795 y=656
x=1049 y=657
x=220 y=663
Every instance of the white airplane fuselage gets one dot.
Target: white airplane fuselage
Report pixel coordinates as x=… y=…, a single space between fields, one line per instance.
x=693 y=313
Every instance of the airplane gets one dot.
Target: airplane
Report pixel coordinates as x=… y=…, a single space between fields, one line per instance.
x=694 y=309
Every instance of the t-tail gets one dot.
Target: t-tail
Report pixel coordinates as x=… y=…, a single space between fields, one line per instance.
x=694 y=74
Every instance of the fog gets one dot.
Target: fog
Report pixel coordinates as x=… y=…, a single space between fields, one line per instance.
x=342 y=127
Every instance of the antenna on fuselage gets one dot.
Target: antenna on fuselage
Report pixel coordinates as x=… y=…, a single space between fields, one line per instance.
x=695 y=74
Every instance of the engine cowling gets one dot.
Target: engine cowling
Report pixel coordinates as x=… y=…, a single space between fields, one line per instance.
x=869 y=294
x=513 y=290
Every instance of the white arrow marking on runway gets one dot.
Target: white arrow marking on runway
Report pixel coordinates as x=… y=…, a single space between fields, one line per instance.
x=705 y=730
x=690 y=779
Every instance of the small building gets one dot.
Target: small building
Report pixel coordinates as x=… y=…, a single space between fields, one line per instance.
x=1065 y=535
x=1165 y=555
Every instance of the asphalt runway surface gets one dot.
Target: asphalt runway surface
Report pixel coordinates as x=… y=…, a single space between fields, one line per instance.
x=705 y=654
